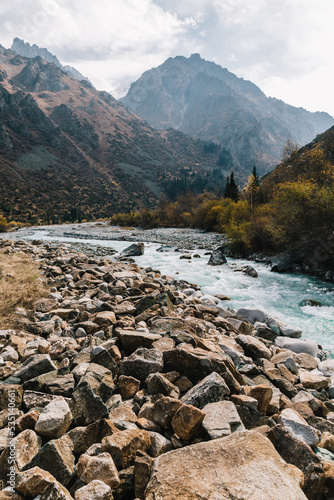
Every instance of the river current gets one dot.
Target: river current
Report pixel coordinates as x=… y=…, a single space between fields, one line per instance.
x=281 y=295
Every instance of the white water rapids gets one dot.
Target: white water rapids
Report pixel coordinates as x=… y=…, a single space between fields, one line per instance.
x=281 y=295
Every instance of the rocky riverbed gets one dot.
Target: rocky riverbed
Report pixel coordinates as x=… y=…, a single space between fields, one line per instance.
x=128 y=384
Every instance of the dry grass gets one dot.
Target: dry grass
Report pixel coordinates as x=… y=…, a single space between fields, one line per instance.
x=20 y=286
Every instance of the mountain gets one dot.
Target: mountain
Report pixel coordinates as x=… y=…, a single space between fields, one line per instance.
x=65 y=145
x=206 y=101
x=31 y=51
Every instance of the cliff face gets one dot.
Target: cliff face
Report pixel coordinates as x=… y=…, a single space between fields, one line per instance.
x=204 y=100
x=64 y=144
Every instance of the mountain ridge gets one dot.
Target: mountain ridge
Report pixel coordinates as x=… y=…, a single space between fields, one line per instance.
x=206 y=101
x=98 y=156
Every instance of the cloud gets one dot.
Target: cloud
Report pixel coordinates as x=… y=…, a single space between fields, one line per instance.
x=274 y=43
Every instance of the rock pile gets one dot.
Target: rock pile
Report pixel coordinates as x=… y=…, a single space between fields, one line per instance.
x=124 y=384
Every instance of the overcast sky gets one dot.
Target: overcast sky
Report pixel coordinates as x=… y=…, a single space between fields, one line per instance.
x=284 y=46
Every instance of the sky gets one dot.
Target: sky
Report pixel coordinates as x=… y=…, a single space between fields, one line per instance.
x=283 y=46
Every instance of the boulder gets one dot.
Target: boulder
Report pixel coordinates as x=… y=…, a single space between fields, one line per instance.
x=186 y=421
x=217 y=257
x=253 y=347
x=128 y=386
x=34 y=366
x=262 y=393
x=57 y=458
x=212 y=388
x=242 y=465
x=123 y=446
x=250 y=271
x=10 y=396
x=133 y=250
x=101 y=467
x=95 y=490
x=311 y=380
x=56 y=491
x=298 y=345
x=221 y=419
x=131 y=340
x=141 y=363
x=33 y=481
x=86 y=406
x=252 y=315
x=296 y=452
x=164 y=410
x=157 y=383
x=54 y=420
x=298 y=427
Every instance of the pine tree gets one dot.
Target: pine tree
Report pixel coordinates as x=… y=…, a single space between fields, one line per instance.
x=231 y=189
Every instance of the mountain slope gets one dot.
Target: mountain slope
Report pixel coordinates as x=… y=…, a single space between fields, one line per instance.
x=63 y=144
x=204 y=100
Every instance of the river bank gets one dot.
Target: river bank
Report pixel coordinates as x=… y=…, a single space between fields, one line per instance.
x=125 y=380
x=286 y=296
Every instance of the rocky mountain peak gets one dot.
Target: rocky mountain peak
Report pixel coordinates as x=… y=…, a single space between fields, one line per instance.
x=31 y=51
x=206 y=101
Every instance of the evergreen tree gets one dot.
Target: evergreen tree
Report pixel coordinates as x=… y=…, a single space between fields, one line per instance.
x=231 y=189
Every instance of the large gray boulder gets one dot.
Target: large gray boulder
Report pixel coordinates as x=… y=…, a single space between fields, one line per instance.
x=242 y=465
x=133 y=250
x=298 y=345
x=217 y=257
x=252 y=315
x=212 y=388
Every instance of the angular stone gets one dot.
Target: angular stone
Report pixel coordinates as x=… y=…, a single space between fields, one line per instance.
x=164 y=410
x=212 y=388
x=123 y=446
x=285 y=358
x=131 y=340
x=159 y=444
x=143 y=466
x=157 y=383
x=54 y=420
x=10 y=396
x=128 y=386
x=34 y=399
x=122 y=413
x=33 y=482
x=57 y=458
x=217 y=257
x=186 y=421
x=296 y=452
x=101 y=467
x=327 y=441
x=61 y=386
x=253 y=347
x=56 y=491
x=34 y=366
x=84 y=437
x=99 y=379
x=221 y=419
x=86 y=406
x=105 y=318
x=141 y=363
x=298 y=427
x=307 y=361
x=242 y=465
x=133 y=250
x=314 y=381
x=95 y=490
x=262 y=393
x=243 y=400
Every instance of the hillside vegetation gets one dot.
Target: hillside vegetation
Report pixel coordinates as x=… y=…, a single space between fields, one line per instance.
x=292 y=205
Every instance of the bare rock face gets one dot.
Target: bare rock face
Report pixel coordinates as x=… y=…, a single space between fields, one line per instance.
x=242 y=465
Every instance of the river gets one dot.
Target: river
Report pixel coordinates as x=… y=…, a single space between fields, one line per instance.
x=281 y=295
